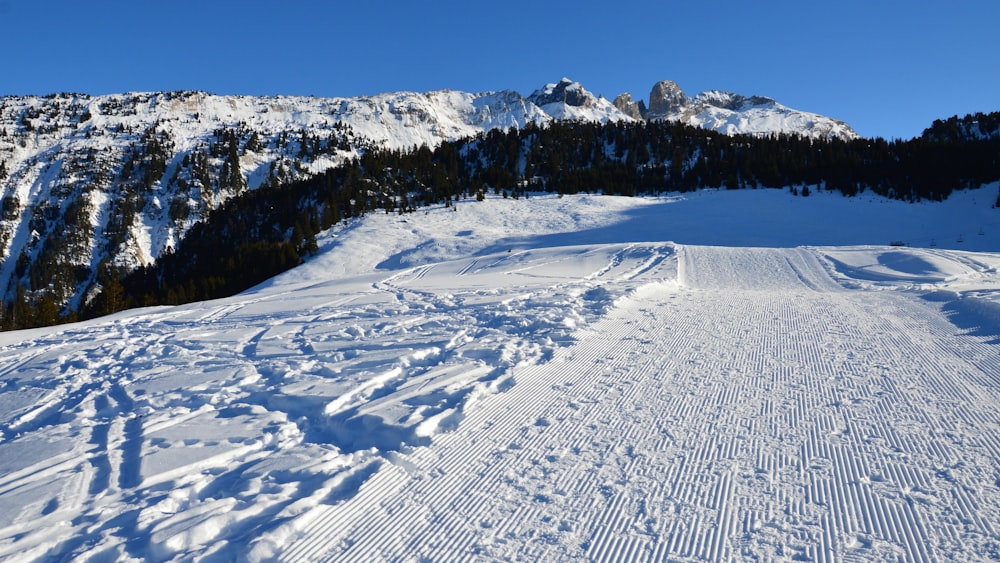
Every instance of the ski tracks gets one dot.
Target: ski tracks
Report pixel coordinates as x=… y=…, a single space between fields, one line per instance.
x=607 y=403
x=205 y=425
x=758 y=412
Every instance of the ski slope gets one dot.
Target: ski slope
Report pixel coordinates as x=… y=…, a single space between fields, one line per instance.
x=553 y=379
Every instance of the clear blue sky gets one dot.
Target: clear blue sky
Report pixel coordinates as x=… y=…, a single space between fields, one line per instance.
x=887 y=67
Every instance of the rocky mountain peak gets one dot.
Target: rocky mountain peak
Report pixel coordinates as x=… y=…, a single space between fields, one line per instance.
x=569 y=100
x=564 y=92
x=666 y=98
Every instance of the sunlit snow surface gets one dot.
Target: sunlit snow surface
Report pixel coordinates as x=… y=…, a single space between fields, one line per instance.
x=719 y=375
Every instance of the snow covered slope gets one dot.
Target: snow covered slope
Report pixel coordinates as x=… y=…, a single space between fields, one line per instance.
x=120 y=178
x=544 y=379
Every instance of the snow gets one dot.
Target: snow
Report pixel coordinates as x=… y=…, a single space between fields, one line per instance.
x=718 y=375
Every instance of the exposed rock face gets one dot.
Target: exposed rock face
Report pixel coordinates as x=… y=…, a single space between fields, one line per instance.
x=665 y=99
x=631 y=108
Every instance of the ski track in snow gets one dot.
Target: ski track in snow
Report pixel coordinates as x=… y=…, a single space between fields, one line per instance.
x=607 y=402
x=756 y=411
x=206 y=424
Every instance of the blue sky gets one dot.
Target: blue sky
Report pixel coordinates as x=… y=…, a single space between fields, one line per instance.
x=887 y=67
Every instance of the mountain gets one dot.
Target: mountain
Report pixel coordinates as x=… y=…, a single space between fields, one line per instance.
x=714 y=110
x=731 y=113
x=117 y=180
x=91 y=186
x=570 y=100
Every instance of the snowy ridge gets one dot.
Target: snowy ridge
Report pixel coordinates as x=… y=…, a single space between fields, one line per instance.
x=546 y=380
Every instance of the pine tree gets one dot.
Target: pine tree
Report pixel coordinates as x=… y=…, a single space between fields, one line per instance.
x=232 y=176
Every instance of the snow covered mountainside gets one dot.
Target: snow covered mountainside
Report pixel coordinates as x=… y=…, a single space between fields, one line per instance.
x=94 y=185
x=731 y=113
x=720 y=375
x=87 y=181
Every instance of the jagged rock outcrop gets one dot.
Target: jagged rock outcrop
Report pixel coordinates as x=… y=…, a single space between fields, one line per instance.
x=635 y=110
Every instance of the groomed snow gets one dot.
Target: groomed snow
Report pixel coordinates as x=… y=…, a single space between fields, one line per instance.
x=718 y=375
